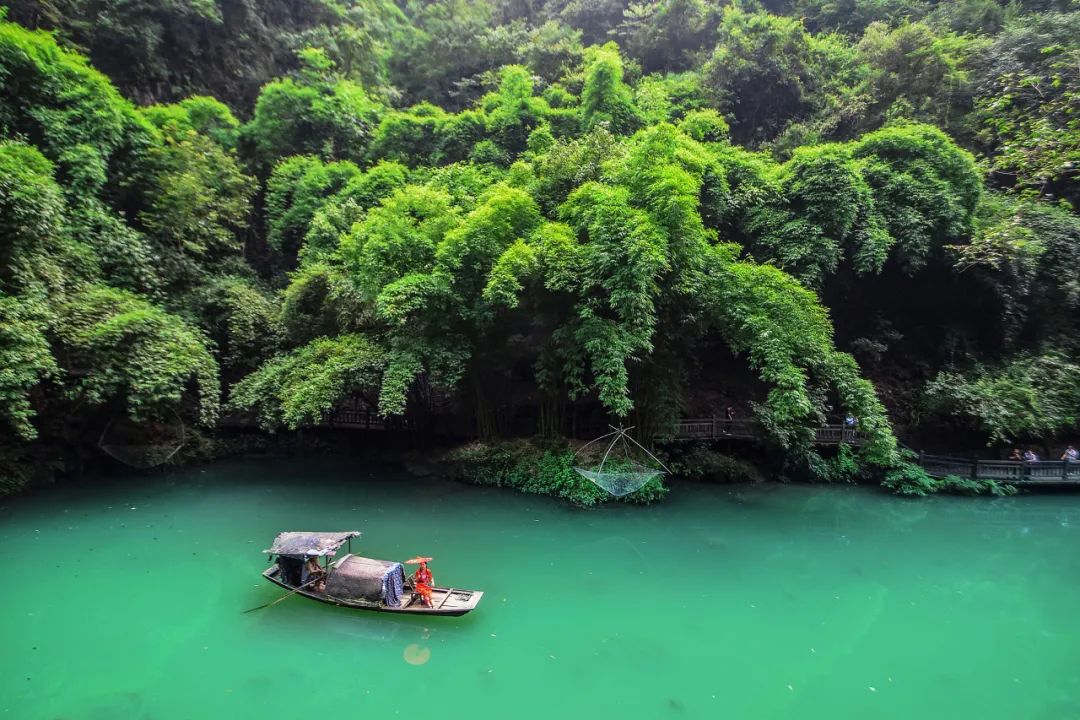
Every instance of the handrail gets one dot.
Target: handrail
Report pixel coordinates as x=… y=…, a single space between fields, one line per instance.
x=1015 y=471
x=949 y=458
x=716 y=428
x=720 y=428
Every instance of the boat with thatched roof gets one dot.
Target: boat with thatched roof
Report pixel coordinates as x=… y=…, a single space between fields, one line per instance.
x=354 y=581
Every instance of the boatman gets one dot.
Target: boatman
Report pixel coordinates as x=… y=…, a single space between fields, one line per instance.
x=313 y=571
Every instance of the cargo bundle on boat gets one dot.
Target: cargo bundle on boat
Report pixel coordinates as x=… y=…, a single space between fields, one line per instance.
x=354 y=581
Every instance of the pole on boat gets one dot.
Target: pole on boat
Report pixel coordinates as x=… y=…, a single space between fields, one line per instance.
x=270 y=604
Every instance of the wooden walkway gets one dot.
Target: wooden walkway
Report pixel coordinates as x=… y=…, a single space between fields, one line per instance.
x=1015 y=472
x=714 y=428
x=1050 y=472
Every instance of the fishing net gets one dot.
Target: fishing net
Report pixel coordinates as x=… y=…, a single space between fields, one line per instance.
x=623 y=468
x=143 y=445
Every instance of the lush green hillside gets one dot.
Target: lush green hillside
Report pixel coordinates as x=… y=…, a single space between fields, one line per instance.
x=521 y=215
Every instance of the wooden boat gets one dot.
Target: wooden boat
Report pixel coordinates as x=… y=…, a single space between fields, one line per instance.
x=357 y=582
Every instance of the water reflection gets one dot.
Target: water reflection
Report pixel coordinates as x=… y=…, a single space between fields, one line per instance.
x=369 y=627
x=416 y=654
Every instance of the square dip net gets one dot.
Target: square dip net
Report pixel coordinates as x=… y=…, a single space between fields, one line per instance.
x=143 y=444
x=626 y=466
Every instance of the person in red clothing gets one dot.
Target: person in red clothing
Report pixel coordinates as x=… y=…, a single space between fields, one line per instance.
x=423 y=582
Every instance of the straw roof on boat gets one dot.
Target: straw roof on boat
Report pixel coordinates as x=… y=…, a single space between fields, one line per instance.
x=300 y=544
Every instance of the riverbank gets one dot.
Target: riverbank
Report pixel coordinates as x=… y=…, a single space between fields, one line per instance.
x=534 y=466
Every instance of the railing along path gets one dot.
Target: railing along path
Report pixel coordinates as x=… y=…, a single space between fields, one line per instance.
x=714 y=428
x=1050 y=472
x=1017 y=472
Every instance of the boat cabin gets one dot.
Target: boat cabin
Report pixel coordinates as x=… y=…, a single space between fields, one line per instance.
x=294 y=549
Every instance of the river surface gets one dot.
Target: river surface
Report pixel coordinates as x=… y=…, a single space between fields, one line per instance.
x=125 y=599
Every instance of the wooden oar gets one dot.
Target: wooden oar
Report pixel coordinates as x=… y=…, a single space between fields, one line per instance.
x=269 y=604
x=445 y=598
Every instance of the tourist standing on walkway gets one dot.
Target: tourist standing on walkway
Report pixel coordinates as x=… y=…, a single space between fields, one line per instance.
x=1070 y=454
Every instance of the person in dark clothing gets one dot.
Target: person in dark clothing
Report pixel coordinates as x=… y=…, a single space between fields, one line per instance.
x=291 y=569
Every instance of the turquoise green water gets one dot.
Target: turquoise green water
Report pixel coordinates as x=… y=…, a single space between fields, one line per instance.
x=125 y=600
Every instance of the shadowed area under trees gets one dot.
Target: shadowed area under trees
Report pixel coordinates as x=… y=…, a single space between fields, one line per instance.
x=528 y=219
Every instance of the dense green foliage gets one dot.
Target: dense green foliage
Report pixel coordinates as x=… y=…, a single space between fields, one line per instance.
x=516 y=216
x=112 y=220
x=694 y=461
x=134 y=351
x=1027 y=397
x=543 y=471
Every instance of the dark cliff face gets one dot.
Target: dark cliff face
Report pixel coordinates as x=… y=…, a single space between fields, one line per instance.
x=163 y=52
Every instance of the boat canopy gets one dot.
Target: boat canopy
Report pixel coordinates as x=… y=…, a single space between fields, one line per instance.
x=360 y=578
x=303 y=544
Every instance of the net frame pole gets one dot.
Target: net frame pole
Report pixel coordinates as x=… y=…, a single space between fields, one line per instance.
x=618 y=434
x=594 y=441
x=656 y=459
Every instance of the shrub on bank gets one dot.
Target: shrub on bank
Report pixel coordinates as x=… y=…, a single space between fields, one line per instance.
x=911 y=480
x=204 y=447
x=903 y=478
x=528 y=467
x=957 y=485
x=704 y=464
x=21 y=468
x=844 y=467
